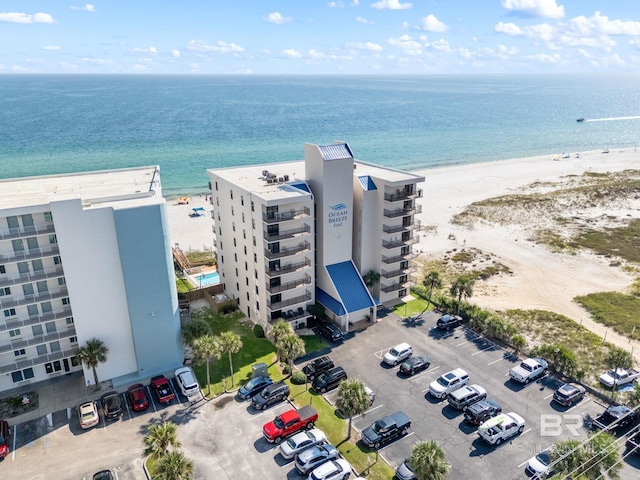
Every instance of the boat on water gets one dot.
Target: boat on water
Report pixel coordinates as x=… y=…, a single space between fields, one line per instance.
x=581 y=119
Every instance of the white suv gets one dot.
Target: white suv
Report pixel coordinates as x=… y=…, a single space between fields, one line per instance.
x=187 y=381
x=398 y=354
x=448 y=383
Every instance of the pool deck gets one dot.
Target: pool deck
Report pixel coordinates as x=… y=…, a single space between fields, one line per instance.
x=205 y=270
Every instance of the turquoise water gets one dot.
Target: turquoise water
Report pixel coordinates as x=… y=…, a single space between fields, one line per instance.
x=187 y=124
x=208 y=279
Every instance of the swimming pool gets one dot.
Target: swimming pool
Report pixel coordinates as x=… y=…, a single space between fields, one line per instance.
x=207 y=279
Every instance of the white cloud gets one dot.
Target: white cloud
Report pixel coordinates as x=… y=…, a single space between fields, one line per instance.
x=508 y=28
x=546 y=58
x=292 y=53
x=391 y=5
x=315 y=54
x=98 y=61
x=441 y=45
x=601 y=24
x=431 y=24
x=20 y=17
x=542 y=31
x=537 y=8
x=219 y=47
x=89 y=7
x=373 y=47
x=150 y=50
x=363 y=20
x=408 y=45
x=175 y=53
x=51 y=48
x=277 y=18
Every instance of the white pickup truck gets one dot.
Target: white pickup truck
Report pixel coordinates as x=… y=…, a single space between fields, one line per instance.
x=619 y=377
x=500 y=428
x=528 y=370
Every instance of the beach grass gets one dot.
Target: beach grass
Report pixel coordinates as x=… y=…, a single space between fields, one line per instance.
x=616 y=310
x=199 y=257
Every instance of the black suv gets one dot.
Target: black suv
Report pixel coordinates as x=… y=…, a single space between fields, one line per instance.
x=330 y=331
x=447 y=322
x=615 y=419
x=111 y=405
x=480 y=412
x=317 y=366
x=276 y=392
x=329 y=379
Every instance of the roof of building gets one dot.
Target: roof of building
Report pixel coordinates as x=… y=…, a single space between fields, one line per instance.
x=337 y=151
x=328 y=301
x=119 y=188
x=367 y=183
x=350 y=286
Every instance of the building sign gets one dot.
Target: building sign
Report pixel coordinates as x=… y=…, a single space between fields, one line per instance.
x=337 y=214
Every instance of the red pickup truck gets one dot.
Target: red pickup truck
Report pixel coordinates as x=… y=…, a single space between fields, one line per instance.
x=162 y=389
x=289 y=423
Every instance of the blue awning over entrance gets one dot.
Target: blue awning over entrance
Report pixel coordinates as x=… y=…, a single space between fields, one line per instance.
x=350 y=286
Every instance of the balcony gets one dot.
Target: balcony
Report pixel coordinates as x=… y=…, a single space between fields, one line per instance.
x=393 y=287
x=38 y=340
x=402 y=195
x=32 y=254
x=35 y=298
x=397 y=273
x=286 y=216
x=398 y=258
x=289 y=301
x=20 y=232
x=283 y=235
x=283 y=287
x=288 y=268
x=39 y=360
x=400 y=212
x=401 y=243
x=288 y=251
x=12 y=323
x=414 y=225
x=6 y=281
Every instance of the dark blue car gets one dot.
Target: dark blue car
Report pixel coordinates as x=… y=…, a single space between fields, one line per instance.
x=253 y=387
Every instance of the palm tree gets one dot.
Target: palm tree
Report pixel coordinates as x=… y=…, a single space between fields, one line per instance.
x=205 y=349
x=594 y=459
x=230 y=342
x=159 y=438
x=278 y=330
x=290 y=347
x=174 y=466
x=371 y=278
x=93 y=353
x=432 y=280
x=352 y=399
x=428 y=462
x=460 y=288
x=618 y=358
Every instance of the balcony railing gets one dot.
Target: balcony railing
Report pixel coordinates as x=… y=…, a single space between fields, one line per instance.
x=6 y=281
x=286 y=216
x=288 y=268
x=12 y=324
x=402 y=195
x=401 y=243
x=35 y=298
x=397 y=273
x=393 y=287
x=39 y=360
x=399 y=212
x=29 y=255
x=283 y=287
x=399 y=258
x=414 y=225
x=287 y=251
x=289 y=301
x=38 y=340
x=19 y=232
x=274 y=237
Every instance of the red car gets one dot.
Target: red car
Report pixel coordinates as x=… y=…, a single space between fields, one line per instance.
x=160 y=385
x=138 y=397
x=4 y=438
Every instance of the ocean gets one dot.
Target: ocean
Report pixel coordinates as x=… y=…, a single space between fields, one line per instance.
x=187 y=124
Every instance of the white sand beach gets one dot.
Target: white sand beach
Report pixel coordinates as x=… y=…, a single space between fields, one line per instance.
x=540 y=279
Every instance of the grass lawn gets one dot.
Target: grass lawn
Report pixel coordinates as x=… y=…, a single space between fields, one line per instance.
x=413 y=307
x=616 y=310
x=183 y=285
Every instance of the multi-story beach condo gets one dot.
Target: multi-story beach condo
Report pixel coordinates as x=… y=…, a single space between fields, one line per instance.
x=292 y=234
x=86 y=256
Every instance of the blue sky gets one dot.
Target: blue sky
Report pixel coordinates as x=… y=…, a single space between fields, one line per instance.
x=320 y=37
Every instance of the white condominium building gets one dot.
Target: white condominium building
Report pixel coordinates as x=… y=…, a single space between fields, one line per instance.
x=86 y=256
x=296 y=233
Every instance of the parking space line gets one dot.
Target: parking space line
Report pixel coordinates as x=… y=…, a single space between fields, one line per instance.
x=151 y=399
x=526 y=431
x=394 y=442
x=496 y=361
x=15 y=435
x=581 y=403
x=419 y=374
x=380 y=353
x=484 y=350
x=126 y=404
x=370 y=410
x=467 y=341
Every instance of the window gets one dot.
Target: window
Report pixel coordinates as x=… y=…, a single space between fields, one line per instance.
x=28 y=373
x=48 y=217
x=216 y=186
x=242 y=217
x=62 y=281
x=232 y=211
x=53 y=239
x=244 y=234
x=231 y=192
x=32 y=243
x=32 y=310
x=56 y=260
x=41 y=350
x=42 y=286
x=236 y=271
x=37 y=330
x=242 y=200
x=46 y=307
x=245 y=249
x=69 y=320
x=217 y=202
x=23 y=267
x=255 y=257
x=65 y=301
x=73 y=339
x=14 y=333
x=237 y=286
x=253 y=223
x=235 y=257
x=37 y=265
x=18 y=353
x=248 y=297
x=235 y=244
x=16 y=376
x=219 y=230
x=74 y=361
x=27 y=289
x=21 y=375
x=3 y=269
x=10 y=312
x=54 y=346
x=53 y=366
x=246 y=266
x=247 y=281
x=50 y=326
x=233 y=226
x=253 y=207
x=258 y=306
x=5 y=291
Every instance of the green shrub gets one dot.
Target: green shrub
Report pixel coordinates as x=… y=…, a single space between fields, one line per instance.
x=286 y=370
x=298 y=378
x=258 y=331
